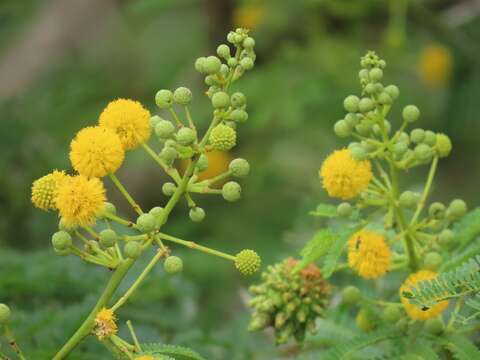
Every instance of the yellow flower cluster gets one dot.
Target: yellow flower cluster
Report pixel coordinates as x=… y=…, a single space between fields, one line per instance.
x=415 y=312
x=368 y=254
x=45 y=189
x=145 y=357
x=344 y=177
x=105 y=325
x=435 y=66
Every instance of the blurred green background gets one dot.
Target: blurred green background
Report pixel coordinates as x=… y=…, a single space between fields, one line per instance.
x=62 y=61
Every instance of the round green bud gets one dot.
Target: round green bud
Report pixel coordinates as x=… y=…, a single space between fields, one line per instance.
x=154 y=120
x=437 y=210
x=224 y=70
x=182 y=96
x=63 y=226
x=352 y=120
x=391 y=314
x=410 y=113
x=65 y=252
x=417 y=135
x=238 y=99
x=358 y=153
x=351 y=103
x=211 y=65
x=196 y=214
x=400 y=148
x=344 y=209
x=170 y=143
x=246 y=63
x=456 y=209
x=5 y=314
x=423 y=153
x=157 y=212
x=432 y=261
x=403 y=137
x=231 y=37
x=220 y=100
x=164 y=99
x=108 y=238
x=202 y=163
x=173 y=265
x=223 y=137
x=199 y=64
x=368 y=147
x=61 y=240
x=146 y=223
x=375 y=74
x=223 y=51
x=351 y=295
x=384 y=98
x=239 y=167
x=169 y=188
x=164 y=129
x=434 y=326
x=186 y=136
x=342 y=129
x=132 y=249
x=446 y=237
x=238 y=115
x=364 y=128
x=365 y=320
x=168 y=154
x=370 y=88
x=232 y=62
x=247 y=262
x=430 y=138
x=231 y=191
x=409 y=199
x=366 y=105
x=443 y=145
x=248 y=43
x=363 y=74
x=393 y=91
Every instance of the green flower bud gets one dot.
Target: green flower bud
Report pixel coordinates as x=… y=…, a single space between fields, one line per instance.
x=246 y=63
x=224 y=70
x=403 y=137
x=393 y=91
x=437 y=210
x=223 y=51
x=164 y=129
x=248 y=43
x=365 y=320
x=443 y=145
x=370 y=88
x=168 y=188
x=231 y=191
x=220 y=100
x=61 y=240
x=146 y=223
x=400 y=148
x=164 y=99
x=238 y=115
x=410 y=113
x=365 y=105
x=223 y=137
x=375 y=74
x=351 y=295
x=423 y=153
x=199 y=64
x=232 y=62
x=238 y=99
x=363 y=74
x=5 y=314
x=417 y=135
x=211 y=65
x=157 y=212
x=186 y=136
x=391 y=314
x=132 y=249
x=108 y=238
x=168 y=154
x=368 y=147
x=358 y=153
x=352 y=120
x=344 y=209
x=342 y=129
x=182 y=96
x=446 y=237
x=170 y=143
x=65 y=252
x=154 y=120
x=434 y=326
x=196 y=214
x=351 y=103
x=247 y=262
x=239 y=167
x=456 y=209
x=173 y=265
x=364 y=128
x=430 y=138
x=384 y=98
x=409 y=199
x=432 y=261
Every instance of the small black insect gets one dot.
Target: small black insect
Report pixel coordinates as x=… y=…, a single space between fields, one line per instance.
x=357 y=243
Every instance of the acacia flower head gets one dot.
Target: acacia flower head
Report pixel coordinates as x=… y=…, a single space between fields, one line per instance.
x=435 y=66
x=96 y=151
x=413 y=311
x=368 y=254
x=105 y=324
x=45 y=189
x=129 y=119
x=80 y=200
x=343 y=176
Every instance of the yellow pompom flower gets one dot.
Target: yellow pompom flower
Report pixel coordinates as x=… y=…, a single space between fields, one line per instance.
x=343 y=176
x=415 y=312
x=80 y=200
x=129 y=119
x=248 y=16
x=96 y=151
x=435 y=66
x=368 y=254
x=105 y=325
x=45 y=189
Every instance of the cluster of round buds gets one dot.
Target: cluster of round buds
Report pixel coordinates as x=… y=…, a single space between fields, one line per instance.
x=289 y=301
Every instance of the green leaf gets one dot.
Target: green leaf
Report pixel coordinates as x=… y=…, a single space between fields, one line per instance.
x=325 y=210
x=316 y=247
x=461 y=347
x=335 y=251
x=468 y=227
x=171 y=352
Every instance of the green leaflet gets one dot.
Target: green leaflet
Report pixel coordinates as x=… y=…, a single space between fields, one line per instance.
x=467 y=228
x=325 y=210
x=171 y=352
x=461 y=347
x=316 y=247
x=335 y=251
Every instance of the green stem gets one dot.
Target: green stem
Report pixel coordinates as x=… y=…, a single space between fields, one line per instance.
x=172 y=172
x=456 y=310
x=133 y=335
x=125 y=193
x=175 y=116
x=426 y=191
x=12 y=342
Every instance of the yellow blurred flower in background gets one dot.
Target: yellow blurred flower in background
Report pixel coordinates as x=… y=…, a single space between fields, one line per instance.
x=218 y=162
x=435 y=66
x=248 y=16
